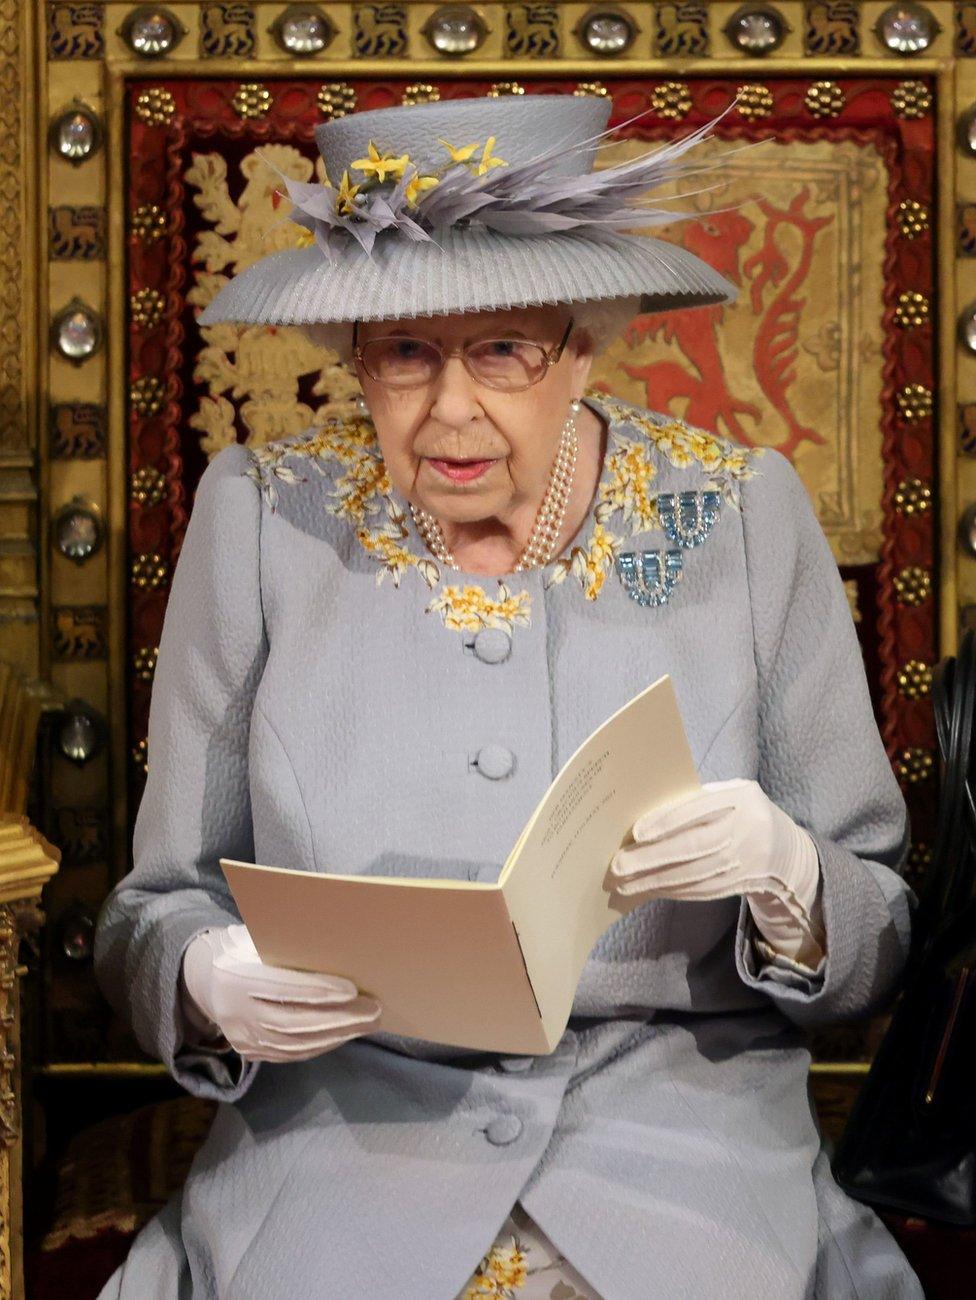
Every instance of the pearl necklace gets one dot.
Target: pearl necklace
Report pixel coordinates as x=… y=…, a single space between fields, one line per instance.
x=541 y=545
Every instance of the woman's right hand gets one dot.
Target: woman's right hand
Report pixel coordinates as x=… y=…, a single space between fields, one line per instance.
x=267 y=1013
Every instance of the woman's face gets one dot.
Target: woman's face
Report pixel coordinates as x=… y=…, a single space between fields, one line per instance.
x=424 y=432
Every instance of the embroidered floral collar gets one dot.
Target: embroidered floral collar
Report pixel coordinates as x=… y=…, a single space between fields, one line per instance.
x=363 y=495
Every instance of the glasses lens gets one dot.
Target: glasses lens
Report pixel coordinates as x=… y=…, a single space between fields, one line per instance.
x=401 y=362
x=507 y=363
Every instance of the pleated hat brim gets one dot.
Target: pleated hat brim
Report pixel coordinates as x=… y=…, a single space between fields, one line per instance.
x=465 y=270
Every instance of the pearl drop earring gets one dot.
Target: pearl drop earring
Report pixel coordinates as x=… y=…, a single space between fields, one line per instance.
x=361 y=406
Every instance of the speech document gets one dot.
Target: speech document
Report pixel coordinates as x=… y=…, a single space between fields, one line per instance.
x=493 y=967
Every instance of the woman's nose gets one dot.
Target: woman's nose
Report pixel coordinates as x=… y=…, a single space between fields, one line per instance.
x=455 y=397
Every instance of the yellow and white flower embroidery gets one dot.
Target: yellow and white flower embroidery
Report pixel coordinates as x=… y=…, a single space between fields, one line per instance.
x=501 y=1273
x=683 y=445
x=470 y=608
x=590 y=562
x=627 y=478
x=267 y=469
x=347 y=449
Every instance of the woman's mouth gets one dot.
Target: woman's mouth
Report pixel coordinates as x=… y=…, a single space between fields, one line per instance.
x=461 y=471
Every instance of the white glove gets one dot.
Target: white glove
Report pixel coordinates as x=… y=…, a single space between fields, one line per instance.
x=730 y=838
x=266 y=1013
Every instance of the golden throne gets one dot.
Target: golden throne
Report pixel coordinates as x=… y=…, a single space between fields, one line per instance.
x=136 y=178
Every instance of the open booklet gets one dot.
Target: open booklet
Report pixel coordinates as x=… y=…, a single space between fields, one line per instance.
x=493 y=967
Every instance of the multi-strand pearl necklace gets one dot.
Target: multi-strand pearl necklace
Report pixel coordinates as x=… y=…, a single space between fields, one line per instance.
x=541 y=545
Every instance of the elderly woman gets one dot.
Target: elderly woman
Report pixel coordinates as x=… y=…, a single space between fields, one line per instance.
x=385 y=637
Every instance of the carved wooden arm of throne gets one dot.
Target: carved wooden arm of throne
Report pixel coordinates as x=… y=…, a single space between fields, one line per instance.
x=27 y=862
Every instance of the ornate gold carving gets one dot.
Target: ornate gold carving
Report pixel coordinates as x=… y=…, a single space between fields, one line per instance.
x=913 y=585
x=917 y=863
x=754 y=101
x=79 y=633
x=912 y=309
x=911 y=99
x=531 y=31
x=144 y=662
x=671 y=99
x=914 y=765
x=913 y=497
x=966 y=421
x=914 y=402
x=140 y=756
x=27 y=862
x=965 y=25
x=824 y=99
x=226 y=31
x=76 y=233
x=77 y=431
x=336 y=99
x=379 y=30
x=149 y=571
x=146 y=307
x=74 y=31
x=15 y=322
x=966 y=229
x=148 y=223
x=155 y=106
x=251 y=99
x=591 y=88
x=680 y=29
x=505 y=88
x=147 y=394
x=832 y=28
x=915 y=679
x=420 y=92
x=148 y=486
x=82 y=834
x=912 y=218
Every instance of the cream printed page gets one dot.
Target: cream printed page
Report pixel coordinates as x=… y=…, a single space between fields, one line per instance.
x=493 y=967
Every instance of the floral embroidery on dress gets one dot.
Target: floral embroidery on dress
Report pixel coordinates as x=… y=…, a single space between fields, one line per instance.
x=523 y=1264
x=469 y=608
x=683 y=445
x=501 y=1272
x=590 y=563
x=362 y=494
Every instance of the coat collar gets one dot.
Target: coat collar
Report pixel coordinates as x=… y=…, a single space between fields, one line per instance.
x=641 y=445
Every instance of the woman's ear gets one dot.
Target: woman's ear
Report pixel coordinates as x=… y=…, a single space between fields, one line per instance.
x=582 y=363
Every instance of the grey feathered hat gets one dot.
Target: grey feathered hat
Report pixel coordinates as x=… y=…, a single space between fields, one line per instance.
x=468 y=205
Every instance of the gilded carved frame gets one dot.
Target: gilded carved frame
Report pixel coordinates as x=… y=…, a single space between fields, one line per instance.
x=65 y=621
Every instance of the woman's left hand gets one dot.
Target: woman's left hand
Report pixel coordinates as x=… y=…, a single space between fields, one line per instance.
x=730 y=838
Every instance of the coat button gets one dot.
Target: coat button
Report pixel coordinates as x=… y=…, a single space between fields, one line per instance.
x=494 y=761
x=503 y=1129
x=492 y=645
x=515 y=1064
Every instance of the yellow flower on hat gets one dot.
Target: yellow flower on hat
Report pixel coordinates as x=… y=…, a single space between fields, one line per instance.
x=462 y=154
x=347 y=193
x=381 y=165
x=487 y=161
x=417 y=184
x=467 y=151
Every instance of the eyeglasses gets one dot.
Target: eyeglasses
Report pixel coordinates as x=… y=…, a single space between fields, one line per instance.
x=399 y=361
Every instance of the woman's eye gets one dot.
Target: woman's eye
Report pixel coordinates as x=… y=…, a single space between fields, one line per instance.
x=405 y=348
x=501 y=348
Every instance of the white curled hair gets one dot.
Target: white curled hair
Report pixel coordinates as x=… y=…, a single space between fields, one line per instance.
x=600 y=320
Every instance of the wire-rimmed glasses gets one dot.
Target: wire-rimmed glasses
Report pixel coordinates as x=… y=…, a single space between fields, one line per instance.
x=402 y=361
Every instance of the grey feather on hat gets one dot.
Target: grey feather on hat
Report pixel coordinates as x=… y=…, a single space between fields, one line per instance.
x=454 y=206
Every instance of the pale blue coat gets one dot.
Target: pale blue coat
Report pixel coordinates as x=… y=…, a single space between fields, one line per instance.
x=306 y=715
